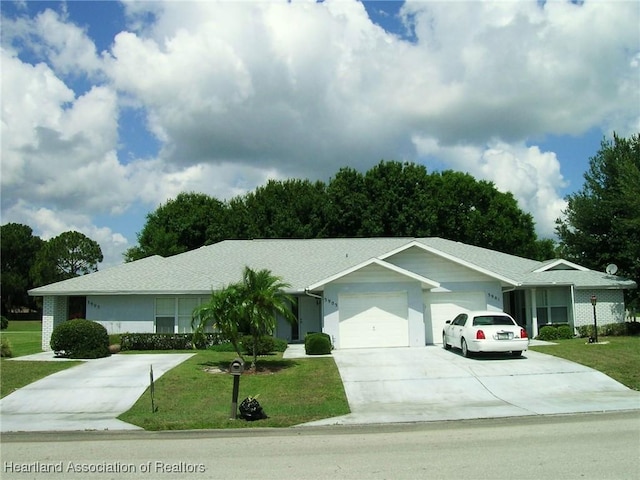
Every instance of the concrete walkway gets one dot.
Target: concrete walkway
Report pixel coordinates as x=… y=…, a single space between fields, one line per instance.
x=85 y=397
x=404 y=385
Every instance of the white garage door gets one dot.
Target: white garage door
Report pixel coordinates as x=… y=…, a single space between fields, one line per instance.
x=374 y=320
x=446 y=306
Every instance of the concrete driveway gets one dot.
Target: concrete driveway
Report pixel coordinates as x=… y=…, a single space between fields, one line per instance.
x=396 y=385
x=85 y=397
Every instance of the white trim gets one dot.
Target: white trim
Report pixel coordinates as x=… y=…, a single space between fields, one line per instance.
x=560 y=261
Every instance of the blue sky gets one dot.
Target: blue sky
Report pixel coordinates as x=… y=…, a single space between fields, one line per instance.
x=110 y=109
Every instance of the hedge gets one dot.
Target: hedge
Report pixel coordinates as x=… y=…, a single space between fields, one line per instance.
x=166 y=341
x=610 y=329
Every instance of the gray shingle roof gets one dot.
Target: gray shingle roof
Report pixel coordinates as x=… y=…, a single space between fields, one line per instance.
x=300 y=263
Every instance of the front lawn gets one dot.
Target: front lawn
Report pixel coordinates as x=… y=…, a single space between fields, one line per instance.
x=618 y=357
x=191 y=396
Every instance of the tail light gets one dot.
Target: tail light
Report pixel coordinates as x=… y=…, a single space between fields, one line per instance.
x=523 y=333
x=480 y=335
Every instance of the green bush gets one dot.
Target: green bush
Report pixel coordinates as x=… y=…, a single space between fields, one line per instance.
x=4 y=322
x=80 y=338
x=633 y=328
x=265 y=345
x=610 y=329
x=5 y=348
x=317 y=344
x=565 y=332
x=280 y=344
x=167 y=341
x=548 y=333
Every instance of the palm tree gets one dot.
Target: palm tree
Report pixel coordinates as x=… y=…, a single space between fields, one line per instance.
x=263 y=297
x=224 y=313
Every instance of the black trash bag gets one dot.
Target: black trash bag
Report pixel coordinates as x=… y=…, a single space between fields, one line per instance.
x=250 y=409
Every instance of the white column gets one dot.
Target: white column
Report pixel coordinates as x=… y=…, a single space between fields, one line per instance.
x=534 y=314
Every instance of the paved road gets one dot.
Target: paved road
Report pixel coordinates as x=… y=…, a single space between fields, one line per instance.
x=585 y=446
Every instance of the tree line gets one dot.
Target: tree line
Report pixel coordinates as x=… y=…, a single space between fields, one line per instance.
x=27 y=262
x=392 y=199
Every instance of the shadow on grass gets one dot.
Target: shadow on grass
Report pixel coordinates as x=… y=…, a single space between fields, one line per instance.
x=262 y=367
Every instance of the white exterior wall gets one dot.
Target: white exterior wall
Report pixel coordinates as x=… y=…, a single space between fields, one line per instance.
x=123 y=313
x=609 y=307
x=54 y=312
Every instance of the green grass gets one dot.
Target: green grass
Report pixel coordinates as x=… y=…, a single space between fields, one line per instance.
x=17 y=374
x=25 y=338
x=619 y=358
x=294 y=392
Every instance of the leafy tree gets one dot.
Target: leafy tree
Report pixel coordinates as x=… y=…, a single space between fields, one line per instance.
x=263 y=297
x=282 y=209
x=68 y=255
x=187 y=222
x=19 y=248
x=601 y=223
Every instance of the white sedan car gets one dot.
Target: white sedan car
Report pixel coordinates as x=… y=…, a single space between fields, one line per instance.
x=485 y=332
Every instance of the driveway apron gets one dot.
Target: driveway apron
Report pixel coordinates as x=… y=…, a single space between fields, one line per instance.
x=397 y=385
x=86 y=397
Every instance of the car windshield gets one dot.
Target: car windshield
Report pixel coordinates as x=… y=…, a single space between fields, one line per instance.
x=492 y=320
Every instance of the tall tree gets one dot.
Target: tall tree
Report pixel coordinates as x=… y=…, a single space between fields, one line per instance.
x=601 y=223
x=283 y=209
x=19 y=248
x=68 y=255
x=189 y=221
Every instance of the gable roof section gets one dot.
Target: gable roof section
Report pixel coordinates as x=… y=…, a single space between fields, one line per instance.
x=482 y=260
x=559 y=264
x=426 y=283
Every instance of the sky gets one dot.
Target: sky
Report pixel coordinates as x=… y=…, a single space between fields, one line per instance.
x=109 y=109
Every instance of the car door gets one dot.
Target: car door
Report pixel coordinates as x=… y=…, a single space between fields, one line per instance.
x=456 y=329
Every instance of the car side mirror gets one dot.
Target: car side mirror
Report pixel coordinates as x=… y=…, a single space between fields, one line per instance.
x=448 y=322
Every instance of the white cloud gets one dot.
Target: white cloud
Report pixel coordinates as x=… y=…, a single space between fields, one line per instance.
x=239 y=92
x=532 y=176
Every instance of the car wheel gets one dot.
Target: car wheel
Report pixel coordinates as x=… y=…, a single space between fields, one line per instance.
x=444 y=342
x=516 y=353
x=465 y=350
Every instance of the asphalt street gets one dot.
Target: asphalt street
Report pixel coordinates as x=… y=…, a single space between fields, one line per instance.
x=585 y=446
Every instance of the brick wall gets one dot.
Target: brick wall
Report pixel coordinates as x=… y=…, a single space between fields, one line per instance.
x=54 y=312
x=609 y=307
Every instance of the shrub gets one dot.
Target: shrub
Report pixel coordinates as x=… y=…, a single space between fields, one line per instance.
x=280 y=344
x=565 y=332
x=264 y=346
x=548 y=333
x=4 y=322
x=80 y=338
x=5 y=348
x=633 y=328
x=167 y=341
x=317 y=344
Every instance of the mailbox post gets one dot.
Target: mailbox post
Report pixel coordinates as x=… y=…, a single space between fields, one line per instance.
x=236 y=368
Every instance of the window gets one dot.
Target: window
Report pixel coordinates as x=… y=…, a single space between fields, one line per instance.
x=552 y=305
x=173 y=315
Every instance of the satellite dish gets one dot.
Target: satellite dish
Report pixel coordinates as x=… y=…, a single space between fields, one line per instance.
x=612 y=268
